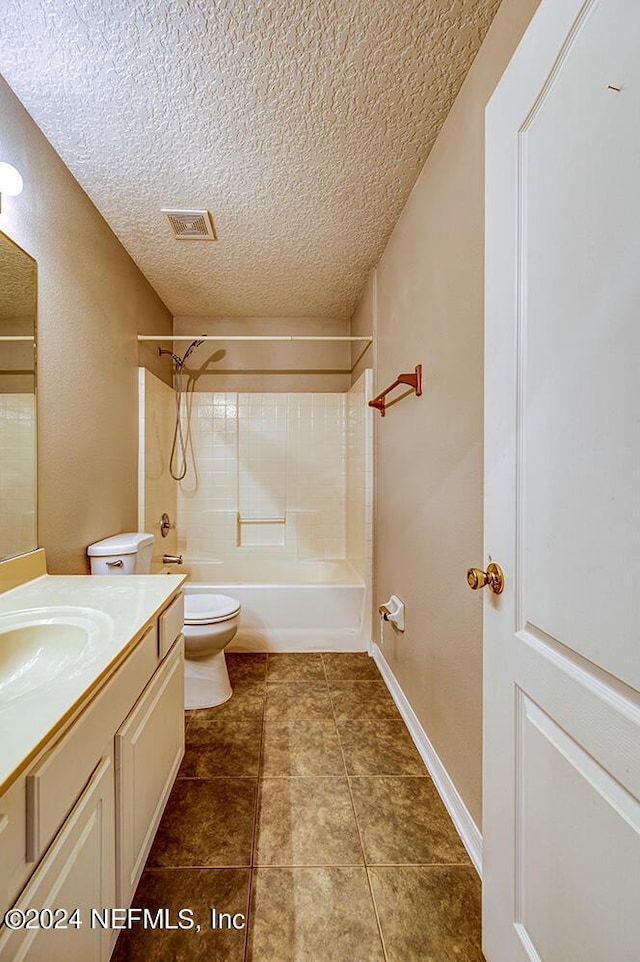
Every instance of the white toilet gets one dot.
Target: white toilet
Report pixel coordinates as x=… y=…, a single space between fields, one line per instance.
x=210 y=620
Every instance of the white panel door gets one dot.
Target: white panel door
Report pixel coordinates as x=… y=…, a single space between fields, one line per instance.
x=561 y=852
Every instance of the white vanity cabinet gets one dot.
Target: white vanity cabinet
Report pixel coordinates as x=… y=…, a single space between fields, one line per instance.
x=77 y=825
x=77 y=873
x=149 y=749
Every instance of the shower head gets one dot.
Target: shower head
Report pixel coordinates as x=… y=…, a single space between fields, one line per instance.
x=180 y=361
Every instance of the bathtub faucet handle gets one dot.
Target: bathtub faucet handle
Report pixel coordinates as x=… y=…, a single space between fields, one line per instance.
x=172 y=559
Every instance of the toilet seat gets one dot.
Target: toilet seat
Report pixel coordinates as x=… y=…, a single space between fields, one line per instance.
x=209 y=609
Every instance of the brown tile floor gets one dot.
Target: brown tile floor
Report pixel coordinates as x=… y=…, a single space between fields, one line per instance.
x=303 y=804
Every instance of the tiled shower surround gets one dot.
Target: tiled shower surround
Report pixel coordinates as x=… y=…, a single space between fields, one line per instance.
x=17 y=479
x=283 y=476
x=360 y=477
x=278 y=492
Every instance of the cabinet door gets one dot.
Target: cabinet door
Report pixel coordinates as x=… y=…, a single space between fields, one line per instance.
x=78 y=872
x=149 y=749
x=4 y=866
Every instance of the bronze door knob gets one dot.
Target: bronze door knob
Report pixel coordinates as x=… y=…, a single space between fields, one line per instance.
x=493 y=577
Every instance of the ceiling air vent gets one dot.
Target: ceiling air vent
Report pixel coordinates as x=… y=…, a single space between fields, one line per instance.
x=191 y=224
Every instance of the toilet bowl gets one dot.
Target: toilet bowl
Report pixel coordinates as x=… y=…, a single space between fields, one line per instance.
x=210 y=622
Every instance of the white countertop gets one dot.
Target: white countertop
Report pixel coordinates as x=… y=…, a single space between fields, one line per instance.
x=120 y=607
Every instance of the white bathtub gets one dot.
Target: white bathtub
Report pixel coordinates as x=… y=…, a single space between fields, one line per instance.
x=288 y=606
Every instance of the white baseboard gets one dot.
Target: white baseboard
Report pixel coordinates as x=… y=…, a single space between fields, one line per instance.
x=465 y=825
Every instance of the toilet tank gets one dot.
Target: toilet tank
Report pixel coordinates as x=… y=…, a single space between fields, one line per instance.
x=122 y=554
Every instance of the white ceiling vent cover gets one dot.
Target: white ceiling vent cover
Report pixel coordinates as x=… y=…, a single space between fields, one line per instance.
x=191 y=224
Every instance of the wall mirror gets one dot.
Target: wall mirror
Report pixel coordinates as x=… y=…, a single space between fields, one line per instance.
x=18 y=306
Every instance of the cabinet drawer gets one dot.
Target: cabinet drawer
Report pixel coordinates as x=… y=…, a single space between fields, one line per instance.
x=78 y=872
x=56 y=781
x=170 y=625
x=149 y=749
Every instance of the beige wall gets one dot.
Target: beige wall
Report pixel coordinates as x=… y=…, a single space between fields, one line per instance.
x=92 y=300
x=428 y=303
x=275 y=366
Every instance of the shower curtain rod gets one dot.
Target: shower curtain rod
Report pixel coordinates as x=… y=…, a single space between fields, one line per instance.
x=246 y=337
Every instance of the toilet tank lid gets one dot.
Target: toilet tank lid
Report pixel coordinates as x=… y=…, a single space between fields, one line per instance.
x=126 y=543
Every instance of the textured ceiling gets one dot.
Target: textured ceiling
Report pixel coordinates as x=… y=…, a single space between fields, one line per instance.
x=300 y=124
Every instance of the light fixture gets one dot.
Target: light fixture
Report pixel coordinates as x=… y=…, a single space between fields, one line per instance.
x=10 y=182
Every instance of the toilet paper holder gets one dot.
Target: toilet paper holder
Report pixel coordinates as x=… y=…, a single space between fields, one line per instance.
x=393 y=611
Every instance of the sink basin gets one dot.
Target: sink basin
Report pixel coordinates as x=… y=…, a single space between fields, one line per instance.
x=39 y=645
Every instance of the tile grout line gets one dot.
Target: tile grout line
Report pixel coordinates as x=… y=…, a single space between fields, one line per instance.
x=355 y=817
x=335 y=681
x=225 y=868
x=213 y=778
x=256 y=813
x=255 y=819
x=425 y=777
x=312 y=681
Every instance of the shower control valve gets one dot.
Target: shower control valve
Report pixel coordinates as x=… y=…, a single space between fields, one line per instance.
x=165 y=525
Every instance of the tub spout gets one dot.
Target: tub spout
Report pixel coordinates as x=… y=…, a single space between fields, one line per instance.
x=172 y=559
